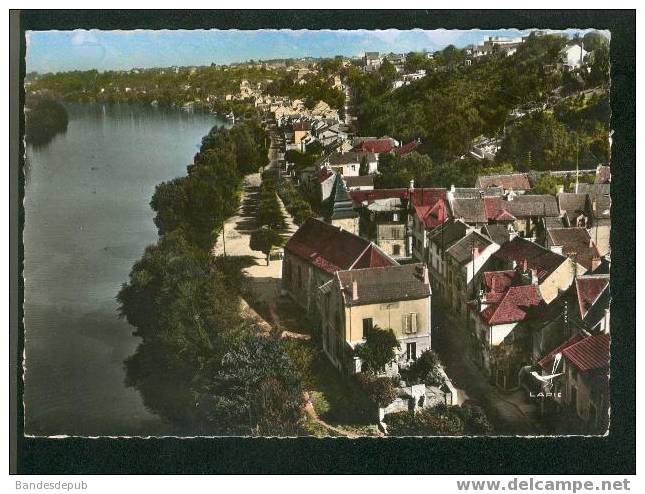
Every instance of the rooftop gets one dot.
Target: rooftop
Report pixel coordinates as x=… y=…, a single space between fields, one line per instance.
x=514 y=181
x=384 y=284
x=535 y=256
x=584 y=353
x=577 y=244
x=332 y=249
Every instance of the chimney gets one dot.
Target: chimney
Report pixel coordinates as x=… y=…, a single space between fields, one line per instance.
x=605 y=322
x=525 y=266
x=595 y=262
x=426 y=277
x=534 y=277
x=412 y=184
x=354 y=290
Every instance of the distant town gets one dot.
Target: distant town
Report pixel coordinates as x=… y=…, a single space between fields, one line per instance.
x=428 y=240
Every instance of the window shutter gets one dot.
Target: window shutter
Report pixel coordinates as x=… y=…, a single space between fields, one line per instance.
x=413 y=322
x=404 y=324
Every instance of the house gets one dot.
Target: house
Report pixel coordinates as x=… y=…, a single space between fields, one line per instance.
x=325 y=181
x=407 y=148
x=517 y=182
x=316 y=251
x=384 y=221
x=583 y=308
x=362 y=182
x=599 y=201
x=576 y=244
x=500 y=340
x=498 y=233
x=464 y=262
x=573 y=57
x=348 y=164
x=574 y=209
x=429 y=210
x=376 y=146
x=340 y=208
x=355 y=301
x=581 y=386
x=525 y=212
x=300 y=130
x=371 y=61
x=553 y=272
x=470 y=210
x=438 y=240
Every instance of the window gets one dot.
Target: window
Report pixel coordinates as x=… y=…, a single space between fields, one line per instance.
x=410 y=323
x=299 y=277
x=411 y=351
x=395 y=217
x=368 y=325
x=353 y=168
x=396 y=250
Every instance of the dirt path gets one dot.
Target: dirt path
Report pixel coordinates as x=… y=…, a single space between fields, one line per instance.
x=235 y=239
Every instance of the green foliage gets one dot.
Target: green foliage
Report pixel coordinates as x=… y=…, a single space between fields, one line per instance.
x=302 y=354
x=166 y=86
x=380 y=390
x=363 y=169
x=378 y=349
x=299 y=209
x=314 y=89
x=198 y=204
x=425 y=369
x=454 y=103
x=320 y=403
x=257 y=390
x=44 y=118
x=269 y=212
x=546 y=184
x=475 y=420
x=436 y=421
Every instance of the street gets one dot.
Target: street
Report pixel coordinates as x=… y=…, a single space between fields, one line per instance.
x=508 y=411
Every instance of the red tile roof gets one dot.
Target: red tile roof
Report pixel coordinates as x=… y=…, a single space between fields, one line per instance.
x=545 y=362
x=331 y=249
x=590 y=353
x=512 y=305
x=432 y=216
x=426 y=196
x=407 y=148
x=324 y=174
x=496 y=283
x=588 y=289
x=375 y=146
x=520 y=250
x=359 y=196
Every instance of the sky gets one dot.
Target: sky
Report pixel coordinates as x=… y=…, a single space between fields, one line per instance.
x=56 y=51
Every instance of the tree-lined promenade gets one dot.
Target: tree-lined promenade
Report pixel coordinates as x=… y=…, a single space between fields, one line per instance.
x=200 y=365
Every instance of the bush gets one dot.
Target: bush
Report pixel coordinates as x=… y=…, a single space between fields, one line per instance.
x=475 y=420
x=379 y=390
x=437 y=421
x=378 y=349
x=425 y=369
x=320 y=403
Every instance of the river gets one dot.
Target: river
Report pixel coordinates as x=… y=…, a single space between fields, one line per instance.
x=87 y=220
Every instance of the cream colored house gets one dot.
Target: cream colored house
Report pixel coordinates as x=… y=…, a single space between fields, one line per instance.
x=355 y=301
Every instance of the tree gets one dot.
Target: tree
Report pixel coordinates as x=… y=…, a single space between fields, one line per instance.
x=257 y=390
x=378 y=349
x=425 y=369
x=364 y=167
x=380 y=390
x=546 y=184
x=267 y=238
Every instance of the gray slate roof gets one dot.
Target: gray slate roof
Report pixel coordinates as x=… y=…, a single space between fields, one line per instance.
x=462 y=250
x=384 y=285
x=497 y=233
x=470 y=210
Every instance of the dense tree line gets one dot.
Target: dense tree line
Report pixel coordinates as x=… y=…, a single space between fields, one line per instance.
x=171 y=86
x=44 y=118
x=315 y=88
x=200 y=365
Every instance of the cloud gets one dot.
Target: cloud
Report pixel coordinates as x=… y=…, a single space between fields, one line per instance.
x=82 y=37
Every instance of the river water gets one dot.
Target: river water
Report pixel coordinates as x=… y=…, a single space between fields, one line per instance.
x=87 y=220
